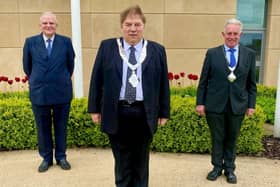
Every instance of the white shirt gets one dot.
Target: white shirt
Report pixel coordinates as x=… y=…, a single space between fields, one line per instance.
x=235 y=55
x=46 y=40
x=139 y=90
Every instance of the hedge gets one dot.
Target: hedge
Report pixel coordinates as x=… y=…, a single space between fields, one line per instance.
x=184 y=132
x=187 y=132
x=266 y=98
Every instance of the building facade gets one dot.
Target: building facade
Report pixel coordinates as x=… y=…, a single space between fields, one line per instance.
x=187 y=28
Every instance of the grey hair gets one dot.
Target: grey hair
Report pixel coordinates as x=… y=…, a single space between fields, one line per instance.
x=235 y=22
x=48 y=13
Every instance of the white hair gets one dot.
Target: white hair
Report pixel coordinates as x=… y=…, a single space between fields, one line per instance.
x=235 y=22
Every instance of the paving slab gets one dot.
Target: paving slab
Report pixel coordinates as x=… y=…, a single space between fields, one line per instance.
x=93 y=167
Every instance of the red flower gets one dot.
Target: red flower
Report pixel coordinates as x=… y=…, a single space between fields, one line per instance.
x=170 y=76
x=23 y=80
x=26 y=77
x=190 y=76
x=17 y=79
x=194 y=77
x=10 y=82
x=176 y=77
x=5 y=78
x=182 y=74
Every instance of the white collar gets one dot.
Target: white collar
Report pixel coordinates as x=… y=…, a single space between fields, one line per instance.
x=235 y=47
x=137 y=47
x=46 y=38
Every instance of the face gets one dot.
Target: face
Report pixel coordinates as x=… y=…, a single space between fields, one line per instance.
x=48 y=25
x=232 y=35
x=132 y=29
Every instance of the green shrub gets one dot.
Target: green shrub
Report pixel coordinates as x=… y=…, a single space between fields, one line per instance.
x=266 y=91
x=250 y=139
x=266 y=98
x=184 y=91
x=17 y=126
x=184 y=132
x=19 y=95
x=187 y=132
x=268 y=106
x=81 y=130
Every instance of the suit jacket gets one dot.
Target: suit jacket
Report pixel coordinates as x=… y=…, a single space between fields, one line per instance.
x=106 y=82
x=215 y=90
x=49 y=77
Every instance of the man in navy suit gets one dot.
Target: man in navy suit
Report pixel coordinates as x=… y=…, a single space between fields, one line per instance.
x=226 y=92
x=129 y=95
x=48 y=61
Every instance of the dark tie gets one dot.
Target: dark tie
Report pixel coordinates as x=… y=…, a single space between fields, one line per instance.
x=130 y=91
x=49 y=46
x=232 y=62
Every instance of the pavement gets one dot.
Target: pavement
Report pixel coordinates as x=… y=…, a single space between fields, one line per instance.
x=93 y=167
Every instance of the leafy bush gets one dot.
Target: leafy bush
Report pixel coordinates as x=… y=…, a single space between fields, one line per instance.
x=184 y=91
x=187 y=132
x=17 y=126
x=19 y=95
x=268 y=106
x=184 y=132
x=266 y=98
x=81 y=130
x=265 y=91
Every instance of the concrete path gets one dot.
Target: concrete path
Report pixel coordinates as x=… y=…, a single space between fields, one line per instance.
x=94 y=168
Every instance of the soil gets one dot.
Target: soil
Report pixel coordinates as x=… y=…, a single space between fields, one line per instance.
x=271 y=147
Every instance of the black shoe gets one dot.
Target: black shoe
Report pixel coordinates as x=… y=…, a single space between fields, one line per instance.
x=231 y=177
x=214 y=174
x=64 y=164
x=44 y=166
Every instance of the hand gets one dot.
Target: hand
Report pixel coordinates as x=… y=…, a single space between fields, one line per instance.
x=96 y=118
x=162 y=121
x=200 y=109
x=250 y=111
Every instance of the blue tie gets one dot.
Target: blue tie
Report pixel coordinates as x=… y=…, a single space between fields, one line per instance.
x=49 y=47
x=232 y=62
x=130 y=91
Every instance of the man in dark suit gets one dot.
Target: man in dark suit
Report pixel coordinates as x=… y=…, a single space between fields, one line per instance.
x=129 y=95
x=48 y=61
x=226 y=91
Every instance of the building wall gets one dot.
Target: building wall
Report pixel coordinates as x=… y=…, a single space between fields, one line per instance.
x=272 y=51
x=187 y=28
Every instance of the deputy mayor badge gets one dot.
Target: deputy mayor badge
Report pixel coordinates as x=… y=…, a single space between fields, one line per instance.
x=133 y=80
x=231 y=77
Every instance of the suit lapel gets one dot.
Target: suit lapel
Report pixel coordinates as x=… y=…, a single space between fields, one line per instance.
x=117 y=59
x=55 y=47
x=148 y=57
x=41 y=49
x=41 y=45
x=241 y=61
x=119 y=64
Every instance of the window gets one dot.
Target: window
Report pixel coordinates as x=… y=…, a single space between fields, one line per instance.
x=252 y=13
x=254 y=40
